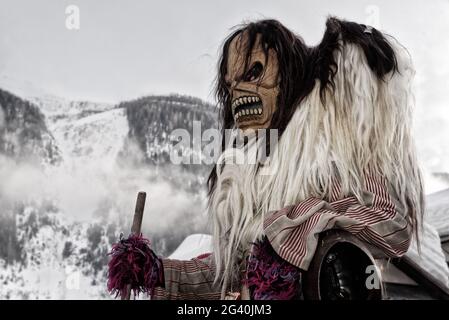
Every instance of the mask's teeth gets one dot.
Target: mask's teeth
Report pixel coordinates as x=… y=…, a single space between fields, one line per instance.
x=248 y=110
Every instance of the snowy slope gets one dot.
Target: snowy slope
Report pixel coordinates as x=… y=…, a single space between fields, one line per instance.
x=96 y=137
x=193 y=246
x=57 y=261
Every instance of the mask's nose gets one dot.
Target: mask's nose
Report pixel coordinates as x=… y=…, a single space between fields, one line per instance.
x=234 y=84
x=232 y=88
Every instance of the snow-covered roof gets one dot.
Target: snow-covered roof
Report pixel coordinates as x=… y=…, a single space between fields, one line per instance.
x=193 y=246
x=431 y=261
x=437 y=212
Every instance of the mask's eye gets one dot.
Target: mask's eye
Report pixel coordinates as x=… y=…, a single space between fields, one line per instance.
x=254 y=72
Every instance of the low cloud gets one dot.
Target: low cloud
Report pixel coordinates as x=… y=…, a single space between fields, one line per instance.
x=85 y=192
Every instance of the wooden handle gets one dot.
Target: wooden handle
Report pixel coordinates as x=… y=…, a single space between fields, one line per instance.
x=136 y=229
x=138 y=213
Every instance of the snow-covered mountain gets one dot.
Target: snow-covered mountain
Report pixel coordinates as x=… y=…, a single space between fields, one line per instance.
x=24 y=132
x=69 y=175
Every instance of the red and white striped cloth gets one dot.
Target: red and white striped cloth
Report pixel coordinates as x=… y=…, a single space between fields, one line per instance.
x=293 y=233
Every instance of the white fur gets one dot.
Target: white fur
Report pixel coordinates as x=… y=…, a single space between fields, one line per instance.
x=365 y=125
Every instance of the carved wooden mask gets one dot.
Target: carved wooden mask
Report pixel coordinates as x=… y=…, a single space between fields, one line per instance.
x=254 y=91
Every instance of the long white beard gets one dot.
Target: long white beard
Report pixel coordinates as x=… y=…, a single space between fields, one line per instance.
x=236 y=219
x=365 y=125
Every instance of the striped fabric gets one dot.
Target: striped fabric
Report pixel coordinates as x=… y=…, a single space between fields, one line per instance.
x=293 y=232
x=188 y=280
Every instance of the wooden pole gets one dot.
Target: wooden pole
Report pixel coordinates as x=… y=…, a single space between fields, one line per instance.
x=136 y=229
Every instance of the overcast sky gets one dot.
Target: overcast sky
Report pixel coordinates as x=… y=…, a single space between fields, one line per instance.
x=125 y=49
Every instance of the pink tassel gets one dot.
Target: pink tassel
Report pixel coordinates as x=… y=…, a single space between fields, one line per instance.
x=269 y=277
x=134 y=263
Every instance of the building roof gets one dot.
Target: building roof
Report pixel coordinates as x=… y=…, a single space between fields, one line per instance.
x=437 y=213
x=432 y=261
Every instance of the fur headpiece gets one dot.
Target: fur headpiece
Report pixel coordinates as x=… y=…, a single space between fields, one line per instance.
x=352 y=113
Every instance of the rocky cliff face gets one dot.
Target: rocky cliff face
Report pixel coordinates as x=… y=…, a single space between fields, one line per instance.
x=23 y=131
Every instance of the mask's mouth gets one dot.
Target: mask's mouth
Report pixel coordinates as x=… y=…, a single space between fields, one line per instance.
x=247 y=108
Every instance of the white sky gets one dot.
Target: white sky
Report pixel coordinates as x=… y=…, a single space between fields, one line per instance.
x=125 y=49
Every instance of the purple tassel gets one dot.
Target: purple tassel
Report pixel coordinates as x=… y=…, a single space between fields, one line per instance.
x=269 y=277
x=134 y=263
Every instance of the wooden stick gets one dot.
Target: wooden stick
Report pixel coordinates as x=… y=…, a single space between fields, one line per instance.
x=136 y=229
